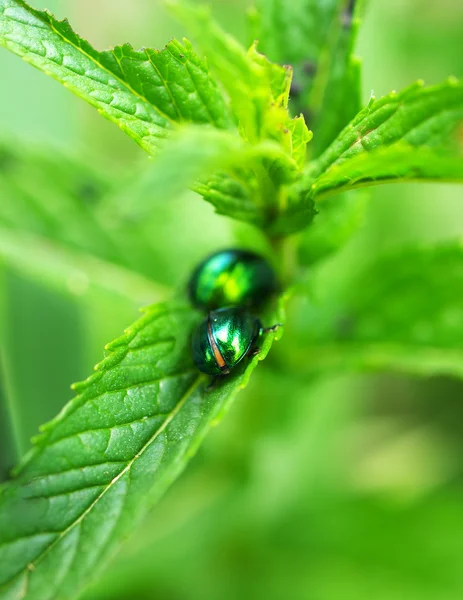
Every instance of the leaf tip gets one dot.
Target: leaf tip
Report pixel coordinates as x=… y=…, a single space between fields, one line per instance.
x=35 y=439
x=78 y=386
x=117 y=343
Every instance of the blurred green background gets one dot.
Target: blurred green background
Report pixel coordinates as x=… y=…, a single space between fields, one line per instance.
x=347 y=487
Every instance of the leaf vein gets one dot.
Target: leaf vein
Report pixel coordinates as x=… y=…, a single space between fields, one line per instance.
x=100 y=65
x=173 y=413
x=66 y=493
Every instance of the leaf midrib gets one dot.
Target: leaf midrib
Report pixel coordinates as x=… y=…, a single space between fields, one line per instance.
x=79 y=49
x=332 y=190
x=324 y=168
x=32 y=564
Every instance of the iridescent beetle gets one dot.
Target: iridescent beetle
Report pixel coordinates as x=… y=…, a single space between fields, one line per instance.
x=227 y=284
x=224 y=338
x=232 y=278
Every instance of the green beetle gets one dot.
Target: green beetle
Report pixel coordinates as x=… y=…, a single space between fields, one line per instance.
x=224 y=338
x=232 y=278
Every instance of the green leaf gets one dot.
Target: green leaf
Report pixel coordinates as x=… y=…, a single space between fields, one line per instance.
x=336 y=95
x=77 y=211
x=403 y=313
x=300 y=137
x=108 y=456
x=198 y=150
x=244 y=194
x=23 y=334
x=249 y=176
x=52 y=194
x=61 y=199
x=9 y=439
x=338 y=219
x=80 y=299
x=10 y=434
x=259 y=94
x=144 y=92
x=71 y=272
x=405 y=136
x=317 y=39
x=78 y=224
x=232 y=196
x=398 y=162
x=294 y=33
x=202 y=151
x=258 y=89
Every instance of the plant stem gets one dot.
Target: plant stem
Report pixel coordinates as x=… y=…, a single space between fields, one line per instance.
x=284 y=249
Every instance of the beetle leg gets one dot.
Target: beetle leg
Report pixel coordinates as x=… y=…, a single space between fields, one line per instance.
x=211 y=385
x=272 y=328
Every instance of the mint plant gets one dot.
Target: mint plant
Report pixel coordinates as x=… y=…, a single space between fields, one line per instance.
x=235 y=126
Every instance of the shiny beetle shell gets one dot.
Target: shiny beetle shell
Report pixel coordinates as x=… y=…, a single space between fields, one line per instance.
x=223 y=339
x=232 y=278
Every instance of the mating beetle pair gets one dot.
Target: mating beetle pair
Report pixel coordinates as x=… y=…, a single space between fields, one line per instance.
x=228 y=284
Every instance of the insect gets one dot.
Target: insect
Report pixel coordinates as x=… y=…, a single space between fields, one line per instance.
x=232 y=278
x=224 y=338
